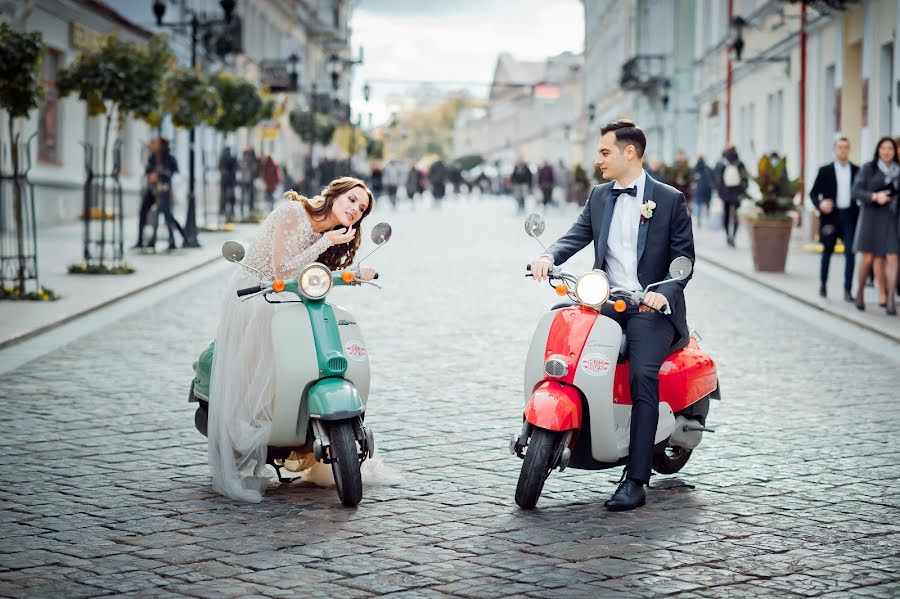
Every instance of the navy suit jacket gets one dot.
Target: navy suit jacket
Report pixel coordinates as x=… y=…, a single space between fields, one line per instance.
x=661 y=238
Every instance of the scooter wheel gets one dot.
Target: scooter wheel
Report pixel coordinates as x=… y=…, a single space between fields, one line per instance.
x=671 y=460
x=345 y=463
x=201 y=418
x=536 y=467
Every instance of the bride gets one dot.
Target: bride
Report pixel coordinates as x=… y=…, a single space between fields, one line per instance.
x=323 y=229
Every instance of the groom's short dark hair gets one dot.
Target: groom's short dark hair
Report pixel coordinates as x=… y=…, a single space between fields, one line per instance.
x=627 y=134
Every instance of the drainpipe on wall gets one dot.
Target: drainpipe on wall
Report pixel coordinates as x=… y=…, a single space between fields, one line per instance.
x=728 y=82
x=802 y=106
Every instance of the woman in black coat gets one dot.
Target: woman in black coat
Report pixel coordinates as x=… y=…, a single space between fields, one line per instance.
x=876 y=190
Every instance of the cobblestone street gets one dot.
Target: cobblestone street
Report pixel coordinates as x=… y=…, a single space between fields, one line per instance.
x=105 y=490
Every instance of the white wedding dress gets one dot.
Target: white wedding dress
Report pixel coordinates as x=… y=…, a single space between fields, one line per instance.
x=242 y=386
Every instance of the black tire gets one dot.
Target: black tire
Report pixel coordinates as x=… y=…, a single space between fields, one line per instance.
x=345 y=464
x=201 y=418
x=536 y=467
x=671 y=460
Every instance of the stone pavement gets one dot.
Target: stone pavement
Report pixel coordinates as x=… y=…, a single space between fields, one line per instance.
x=800 y=279
x=104 y=488
x=61 y=246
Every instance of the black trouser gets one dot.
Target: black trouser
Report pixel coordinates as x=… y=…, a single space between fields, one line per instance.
x=844 y=226
x=147 y=201
x=165 y=208
x=730 y=220
x=650 y=339
x=548 y=195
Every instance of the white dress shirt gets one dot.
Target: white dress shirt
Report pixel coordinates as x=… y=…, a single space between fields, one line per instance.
x=621 y=246
x=842 y=174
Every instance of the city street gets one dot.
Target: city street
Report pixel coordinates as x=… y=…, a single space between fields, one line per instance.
x=105 y=490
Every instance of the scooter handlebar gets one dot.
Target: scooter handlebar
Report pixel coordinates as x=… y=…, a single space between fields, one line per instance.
x=249 y=290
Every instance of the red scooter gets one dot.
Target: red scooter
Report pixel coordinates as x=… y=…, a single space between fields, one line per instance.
x=578 y=397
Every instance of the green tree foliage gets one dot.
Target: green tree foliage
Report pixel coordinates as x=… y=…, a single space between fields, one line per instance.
x=190 y=98
x=20 y=65
x=121 y=77
x=307 y=124
x=427 y=130
x=241 y=102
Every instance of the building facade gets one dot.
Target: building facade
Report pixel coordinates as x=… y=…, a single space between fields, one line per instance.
x=271 y=30
x=528 y=113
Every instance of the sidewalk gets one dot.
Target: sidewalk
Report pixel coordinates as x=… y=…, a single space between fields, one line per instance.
x=800 y=279
x=59 y=247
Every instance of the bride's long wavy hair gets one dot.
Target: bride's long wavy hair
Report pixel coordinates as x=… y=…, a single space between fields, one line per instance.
x=319 y=207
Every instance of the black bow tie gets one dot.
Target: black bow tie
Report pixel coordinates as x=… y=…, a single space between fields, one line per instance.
x=632 y=191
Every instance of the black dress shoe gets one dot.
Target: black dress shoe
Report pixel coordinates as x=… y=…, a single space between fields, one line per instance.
x=848 y=297
x=628 y=496
x=823 y=292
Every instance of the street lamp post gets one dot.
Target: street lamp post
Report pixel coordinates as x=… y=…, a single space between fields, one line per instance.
x=159 y=9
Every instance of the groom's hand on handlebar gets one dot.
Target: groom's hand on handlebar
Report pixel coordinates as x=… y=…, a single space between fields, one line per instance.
x=653 y=301
x=541 y=267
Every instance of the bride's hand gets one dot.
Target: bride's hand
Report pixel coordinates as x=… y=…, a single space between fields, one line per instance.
x=366 y=273
x=341 y=236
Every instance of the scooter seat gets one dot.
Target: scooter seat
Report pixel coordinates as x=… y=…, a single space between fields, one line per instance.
x=623 y=347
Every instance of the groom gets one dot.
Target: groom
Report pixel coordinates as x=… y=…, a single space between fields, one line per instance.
x=638 y=226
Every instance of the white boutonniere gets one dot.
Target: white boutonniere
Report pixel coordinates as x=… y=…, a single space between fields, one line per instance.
x=647 y=210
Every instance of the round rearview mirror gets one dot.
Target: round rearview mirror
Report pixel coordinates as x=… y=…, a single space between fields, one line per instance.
x=680 y=268
x=233 y=251
x=534 y=225
x=381 y=233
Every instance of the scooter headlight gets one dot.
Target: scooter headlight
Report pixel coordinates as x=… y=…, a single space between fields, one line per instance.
x=592 y=288
x=315 y=281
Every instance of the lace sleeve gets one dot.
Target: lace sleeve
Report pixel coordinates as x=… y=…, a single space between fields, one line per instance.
x=295 y=243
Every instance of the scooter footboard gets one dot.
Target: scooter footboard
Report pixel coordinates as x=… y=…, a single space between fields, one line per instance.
x=554 y=406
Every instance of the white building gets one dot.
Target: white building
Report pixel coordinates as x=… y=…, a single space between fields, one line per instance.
x=638 y=64
x=314 y=30
x=529 y=112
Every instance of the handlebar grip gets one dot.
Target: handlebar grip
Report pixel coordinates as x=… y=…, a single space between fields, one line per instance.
x=248 y=290
x=376 y=275
x=528 y=268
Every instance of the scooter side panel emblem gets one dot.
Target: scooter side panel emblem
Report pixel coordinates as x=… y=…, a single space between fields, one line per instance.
x=354 y=346
x=594 y=377
x=294 y=371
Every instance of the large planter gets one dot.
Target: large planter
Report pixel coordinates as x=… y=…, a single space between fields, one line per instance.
x=769 y=242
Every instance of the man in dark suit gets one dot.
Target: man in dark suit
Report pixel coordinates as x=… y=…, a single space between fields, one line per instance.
x=838 y=212
x=635 y=251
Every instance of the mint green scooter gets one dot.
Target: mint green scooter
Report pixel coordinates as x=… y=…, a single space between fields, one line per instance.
x=321 y=373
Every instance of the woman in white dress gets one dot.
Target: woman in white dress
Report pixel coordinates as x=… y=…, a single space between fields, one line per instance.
x=303 y=230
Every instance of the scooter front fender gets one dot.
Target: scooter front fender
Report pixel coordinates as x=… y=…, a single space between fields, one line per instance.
x=334 y=399
x=554 y=406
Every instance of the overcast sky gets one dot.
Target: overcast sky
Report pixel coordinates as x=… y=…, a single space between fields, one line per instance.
x=454 y=40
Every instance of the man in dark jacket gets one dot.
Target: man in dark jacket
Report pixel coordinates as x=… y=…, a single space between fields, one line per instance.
x=635 y=250
x=838 y=213
x=521 y=181
x=546 y=181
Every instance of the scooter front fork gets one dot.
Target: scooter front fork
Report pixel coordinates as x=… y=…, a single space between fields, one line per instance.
x=562 y=455
x=364 y=436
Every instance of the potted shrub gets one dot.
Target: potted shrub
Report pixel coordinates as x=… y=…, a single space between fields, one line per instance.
x=771 y=223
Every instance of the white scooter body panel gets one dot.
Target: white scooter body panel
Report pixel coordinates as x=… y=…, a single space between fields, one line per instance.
x=534 y=363
x=594 y=376
x=623 y=425
x=297 y=368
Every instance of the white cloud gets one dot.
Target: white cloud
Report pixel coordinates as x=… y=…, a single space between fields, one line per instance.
x=455 y=42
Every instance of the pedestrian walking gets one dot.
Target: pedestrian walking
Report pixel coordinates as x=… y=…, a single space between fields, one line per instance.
x=228 y=166
x=437 y=179
x=391 y=178
x=161 y=167
x=249 y=171
x=831 y=194
x=271 y=178
x=656 y=169
x=876 y=192
x=731 y=183
x=546 y=181
x=563 y=181
x=702 y=190
x=412 y=182
x=521 y=181
x=148 y=199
